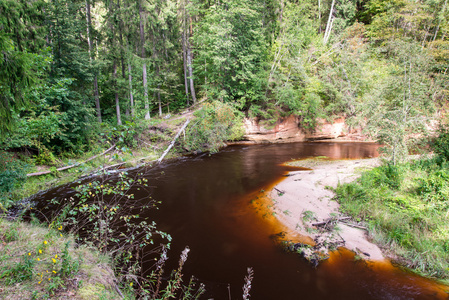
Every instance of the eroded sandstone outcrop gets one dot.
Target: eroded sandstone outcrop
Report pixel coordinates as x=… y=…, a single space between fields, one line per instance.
x=289 y=129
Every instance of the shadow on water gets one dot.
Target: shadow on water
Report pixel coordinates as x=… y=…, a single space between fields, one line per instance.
x=206 y=205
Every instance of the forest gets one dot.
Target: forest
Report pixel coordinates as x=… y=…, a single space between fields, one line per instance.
x=73 y=69
x=77 y=77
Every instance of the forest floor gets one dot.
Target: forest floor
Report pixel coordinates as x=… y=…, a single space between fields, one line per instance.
x=306 y=198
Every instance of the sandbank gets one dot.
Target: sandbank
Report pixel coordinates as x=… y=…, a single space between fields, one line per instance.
x=304 y=198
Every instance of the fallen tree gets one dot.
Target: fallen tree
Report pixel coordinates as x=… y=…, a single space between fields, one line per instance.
x=71 y=166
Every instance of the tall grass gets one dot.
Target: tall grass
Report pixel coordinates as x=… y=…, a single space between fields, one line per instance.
x=406 y=207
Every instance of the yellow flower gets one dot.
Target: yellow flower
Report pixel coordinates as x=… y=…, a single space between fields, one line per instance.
x=60 y=227
x=39 y=282
x=60 y=234
x=29 y=253
x=54 y=260
x=49 y=279
x=54 y=271
x=56 y=255
x=38 y=259
x=131 y=284
x=40 y=251
x=45 y=242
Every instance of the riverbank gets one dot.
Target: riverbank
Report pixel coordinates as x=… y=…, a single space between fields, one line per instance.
x=39 y=262
x=400 y=209
x=305 y=198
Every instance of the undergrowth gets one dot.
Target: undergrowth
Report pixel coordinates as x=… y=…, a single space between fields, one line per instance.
x=406 y=208
x=41 y=263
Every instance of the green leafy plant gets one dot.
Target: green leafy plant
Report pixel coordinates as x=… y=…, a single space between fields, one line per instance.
x=215 y=123
x=19 y=272
x=12 y=176
x=308 y=216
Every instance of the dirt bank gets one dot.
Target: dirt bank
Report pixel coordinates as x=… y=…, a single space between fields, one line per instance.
x=304 y=198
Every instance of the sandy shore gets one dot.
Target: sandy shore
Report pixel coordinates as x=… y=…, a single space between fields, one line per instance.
x=302 y=199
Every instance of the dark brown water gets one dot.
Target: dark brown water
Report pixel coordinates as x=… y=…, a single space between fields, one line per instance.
x=206 y=206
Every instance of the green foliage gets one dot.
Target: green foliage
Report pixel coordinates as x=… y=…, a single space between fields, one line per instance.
x=15 y=78
x=215 y=123
x=122 y=135
x=405 y=207
x=12 y=176
x=231 y=51
x=440 y=144
x=19 y=272
x=308 y=216
x=402 y=104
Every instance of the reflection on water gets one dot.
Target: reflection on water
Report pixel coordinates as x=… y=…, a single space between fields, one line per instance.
x=206 y=205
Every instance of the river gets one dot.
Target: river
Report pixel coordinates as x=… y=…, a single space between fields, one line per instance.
x=206 y=205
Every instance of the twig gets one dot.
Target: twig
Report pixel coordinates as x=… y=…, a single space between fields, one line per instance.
x=355 y=226
x=282 y=192
x=325 y=222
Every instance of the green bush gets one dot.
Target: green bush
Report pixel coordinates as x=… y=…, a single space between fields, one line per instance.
x=440 y=144
x=12 y=176
x=215 y=123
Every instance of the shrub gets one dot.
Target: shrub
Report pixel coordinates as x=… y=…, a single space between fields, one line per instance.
x=215 y=122
x=440 y=144
x=12 y=176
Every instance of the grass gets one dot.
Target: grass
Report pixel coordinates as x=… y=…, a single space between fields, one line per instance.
x=406 y=208
x=40 y=263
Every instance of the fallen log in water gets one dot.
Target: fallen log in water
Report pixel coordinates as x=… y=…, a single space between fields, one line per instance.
x=174 y=140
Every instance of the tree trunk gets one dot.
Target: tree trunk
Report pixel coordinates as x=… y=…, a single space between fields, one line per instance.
x=131 y=97
x=190 y=68
x=184 y=60
x=117 y=102
x=329 y=23
x=144 y=66
x=145 y=92
x=97 y=99
x=90 y=42
x=159 y=99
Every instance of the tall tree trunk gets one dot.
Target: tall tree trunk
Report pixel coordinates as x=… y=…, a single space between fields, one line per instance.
x=117 y=102
x=330 y=21
x=144 y=66
x=90 y=42
x=184 y=60
x=184 y=50
x=131 y=97
x=189 y=65
x=159 y=99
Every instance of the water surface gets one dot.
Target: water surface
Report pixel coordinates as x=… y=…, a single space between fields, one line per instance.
x=206 y=206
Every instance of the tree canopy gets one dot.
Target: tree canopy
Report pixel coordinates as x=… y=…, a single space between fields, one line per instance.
x=76 y=64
